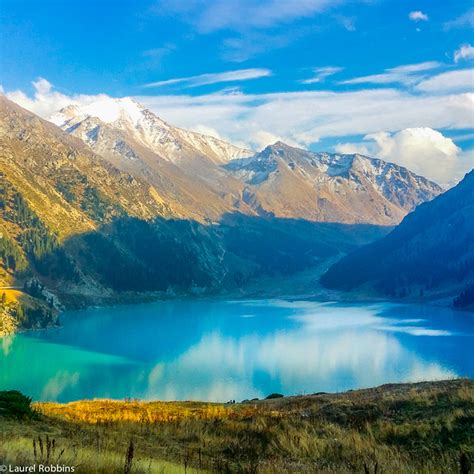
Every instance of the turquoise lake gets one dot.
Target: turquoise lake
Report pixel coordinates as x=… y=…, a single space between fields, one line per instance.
x=221 y=350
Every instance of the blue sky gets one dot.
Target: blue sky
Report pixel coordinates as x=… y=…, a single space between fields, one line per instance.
x=245 y=60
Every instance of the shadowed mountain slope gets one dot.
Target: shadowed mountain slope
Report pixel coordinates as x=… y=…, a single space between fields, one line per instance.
x=431 y=251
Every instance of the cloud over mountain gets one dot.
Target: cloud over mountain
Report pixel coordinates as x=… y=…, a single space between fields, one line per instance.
x=304 y=118
x=423 y=150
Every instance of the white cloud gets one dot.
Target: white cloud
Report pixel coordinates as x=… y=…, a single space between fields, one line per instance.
x=418 y=67
x=159 y=53
x=465 y=51
x=418 y=16
x=215 y=15
x=46 y=101
x=251 y=27
x=348 y=23
x=261 y=139
x=214 y=78
x=466 y=20
x=301 y=118
x=313 y=115
x=321 y=73
x=37 y=104
x=423 y=150
x=460 y=80
x=406 y=74
x=42 y=86
x=207 y=131
x=240 y=48
x=353 y=148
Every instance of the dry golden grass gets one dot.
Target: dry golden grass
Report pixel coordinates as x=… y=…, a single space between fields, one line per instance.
x=12 y=296
x=113 y=411
x=409 y=428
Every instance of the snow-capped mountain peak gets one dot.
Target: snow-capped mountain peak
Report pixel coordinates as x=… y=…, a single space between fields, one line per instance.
x=125 y=120
x=106 y=109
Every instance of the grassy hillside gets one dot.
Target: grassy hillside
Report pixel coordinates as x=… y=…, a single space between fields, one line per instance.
x=408 y=428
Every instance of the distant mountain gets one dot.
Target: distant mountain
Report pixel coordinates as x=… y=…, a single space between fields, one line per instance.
x=132 y=121
x=183 y=165
x=209 y=177
x=430 y=253
x=290 y=182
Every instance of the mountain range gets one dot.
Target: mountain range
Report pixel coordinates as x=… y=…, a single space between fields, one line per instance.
x=108 y=199
x=324 y=187
x=209 y=177
x=87 y=228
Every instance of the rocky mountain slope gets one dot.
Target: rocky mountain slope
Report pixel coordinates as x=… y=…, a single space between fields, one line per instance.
x=290 y=182
x=134 y=121
x=183 y=165
x=430 y=253
x=210 y=177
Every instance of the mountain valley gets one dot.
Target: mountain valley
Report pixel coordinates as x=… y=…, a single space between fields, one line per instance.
x=116 y=202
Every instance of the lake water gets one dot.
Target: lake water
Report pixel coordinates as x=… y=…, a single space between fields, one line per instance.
x=221 y=350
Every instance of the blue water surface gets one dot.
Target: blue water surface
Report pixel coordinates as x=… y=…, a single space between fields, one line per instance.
x=220 y=350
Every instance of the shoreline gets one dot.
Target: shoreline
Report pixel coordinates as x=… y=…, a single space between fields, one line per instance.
x=271 y=398
x=137 y=299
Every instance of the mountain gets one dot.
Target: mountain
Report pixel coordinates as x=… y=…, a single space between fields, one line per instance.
x=324 y=187
x=430 y=253
x=79 y=227
x=53 y=188
x=209 y=177
x=74 y=227
x=69 y=188
x=139 y=124
x=183 y=165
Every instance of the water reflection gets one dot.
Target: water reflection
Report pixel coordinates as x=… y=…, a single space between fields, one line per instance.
x=221 y=350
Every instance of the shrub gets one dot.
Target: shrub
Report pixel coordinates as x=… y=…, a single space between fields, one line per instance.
x=274 y=395
x=15 y=405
